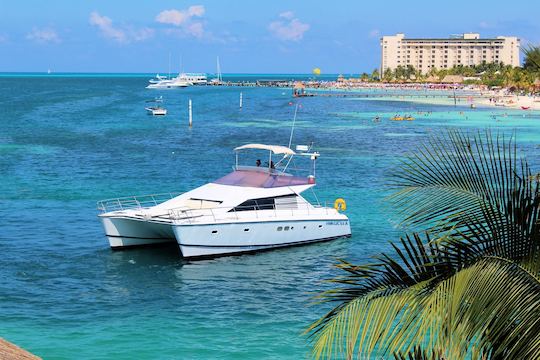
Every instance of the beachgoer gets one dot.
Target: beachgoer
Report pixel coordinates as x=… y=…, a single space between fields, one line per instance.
x=258 y=162
x=272 y=165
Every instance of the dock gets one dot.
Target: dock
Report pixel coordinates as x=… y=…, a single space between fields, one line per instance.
x=321 y=91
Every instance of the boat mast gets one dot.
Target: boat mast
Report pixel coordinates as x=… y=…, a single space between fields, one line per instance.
x=293 y=122
x=181 y=65
x=169 y=65
x=219 y=70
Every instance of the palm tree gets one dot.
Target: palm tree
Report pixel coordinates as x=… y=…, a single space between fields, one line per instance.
x=532 y=58
x=388 y=75
x=375 y=75
x=470 y=286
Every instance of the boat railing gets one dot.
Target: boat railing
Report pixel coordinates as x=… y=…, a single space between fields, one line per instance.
x=217 y=214
x=134 y=202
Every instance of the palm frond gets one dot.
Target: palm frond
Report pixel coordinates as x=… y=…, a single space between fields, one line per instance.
x=489 y=310
x=420 y=354
x=364 y=325
x=418 y=263
x=532 y=57
x=476 y=189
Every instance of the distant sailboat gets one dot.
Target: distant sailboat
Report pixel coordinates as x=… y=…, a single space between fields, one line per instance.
x=219 y=79
x=49 y=71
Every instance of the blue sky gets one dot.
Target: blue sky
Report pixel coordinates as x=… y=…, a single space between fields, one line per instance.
x=249 y=36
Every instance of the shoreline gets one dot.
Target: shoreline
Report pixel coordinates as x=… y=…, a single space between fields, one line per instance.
x=466 y=96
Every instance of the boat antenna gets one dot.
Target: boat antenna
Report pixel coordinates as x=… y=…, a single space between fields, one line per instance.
x=181 y=64
x=169 y=65
x=293 y=122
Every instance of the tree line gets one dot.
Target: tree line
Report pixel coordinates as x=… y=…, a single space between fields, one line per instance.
x=526 y=77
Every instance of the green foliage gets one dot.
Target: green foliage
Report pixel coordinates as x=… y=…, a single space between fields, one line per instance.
x=490 y=74
x=468 y=288
x=375 y=75
x=532 y=58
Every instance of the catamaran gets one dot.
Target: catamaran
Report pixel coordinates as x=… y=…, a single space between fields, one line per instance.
x=257 y=207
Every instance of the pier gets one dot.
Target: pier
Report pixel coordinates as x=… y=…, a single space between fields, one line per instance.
x=324 y=89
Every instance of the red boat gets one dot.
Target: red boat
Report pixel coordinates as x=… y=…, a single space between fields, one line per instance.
x=525 y=107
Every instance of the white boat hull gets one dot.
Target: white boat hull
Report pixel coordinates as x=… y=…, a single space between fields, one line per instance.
x=157 y=111
x=211 y=240
x=124 y=232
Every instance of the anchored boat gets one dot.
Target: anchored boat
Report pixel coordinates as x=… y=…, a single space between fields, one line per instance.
x=156 y=109
x=253 y=208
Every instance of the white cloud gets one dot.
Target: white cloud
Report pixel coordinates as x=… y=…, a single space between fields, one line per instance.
x=45 y=35
x=185 y=20
x=179 y=17
x=287 y=15
x=121 y=35
x=375 y=33
x=195 y=29
x=104 y=24
x=142 y=34
x=196 y=10
x=288 y=28
x=173 y=17
x=483 y=25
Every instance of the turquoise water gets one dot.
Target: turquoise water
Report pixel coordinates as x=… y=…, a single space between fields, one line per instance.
x=66 y=142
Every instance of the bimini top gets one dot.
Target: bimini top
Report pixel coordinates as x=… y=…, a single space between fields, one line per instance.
x=276 y=149
x=261 y=180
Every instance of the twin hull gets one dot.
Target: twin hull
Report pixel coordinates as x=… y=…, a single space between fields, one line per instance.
x=124 y=232
x=207 y=240
x=213 y=239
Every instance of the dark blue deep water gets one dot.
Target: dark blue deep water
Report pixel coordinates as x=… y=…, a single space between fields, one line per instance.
x=66 y=142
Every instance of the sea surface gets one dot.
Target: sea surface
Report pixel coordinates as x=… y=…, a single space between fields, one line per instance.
x=69 y=141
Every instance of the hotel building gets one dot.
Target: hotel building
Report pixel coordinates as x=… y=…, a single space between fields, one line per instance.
x=467 y=50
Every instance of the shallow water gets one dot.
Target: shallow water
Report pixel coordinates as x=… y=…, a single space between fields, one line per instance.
x=67 y=142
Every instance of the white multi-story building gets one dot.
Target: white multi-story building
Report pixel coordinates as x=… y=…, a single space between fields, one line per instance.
x=467 y=50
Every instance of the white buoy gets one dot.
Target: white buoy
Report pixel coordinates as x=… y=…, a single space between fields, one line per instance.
x=190 y=113
x=240 y=100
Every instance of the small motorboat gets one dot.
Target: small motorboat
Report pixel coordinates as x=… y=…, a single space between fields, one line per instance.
x=157 y=109
x=525 y=107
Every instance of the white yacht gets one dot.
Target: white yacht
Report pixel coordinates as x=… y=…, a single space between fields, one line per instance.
x=194 y=78
x=157 y=79
x=252 y=208
x=161 y=82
